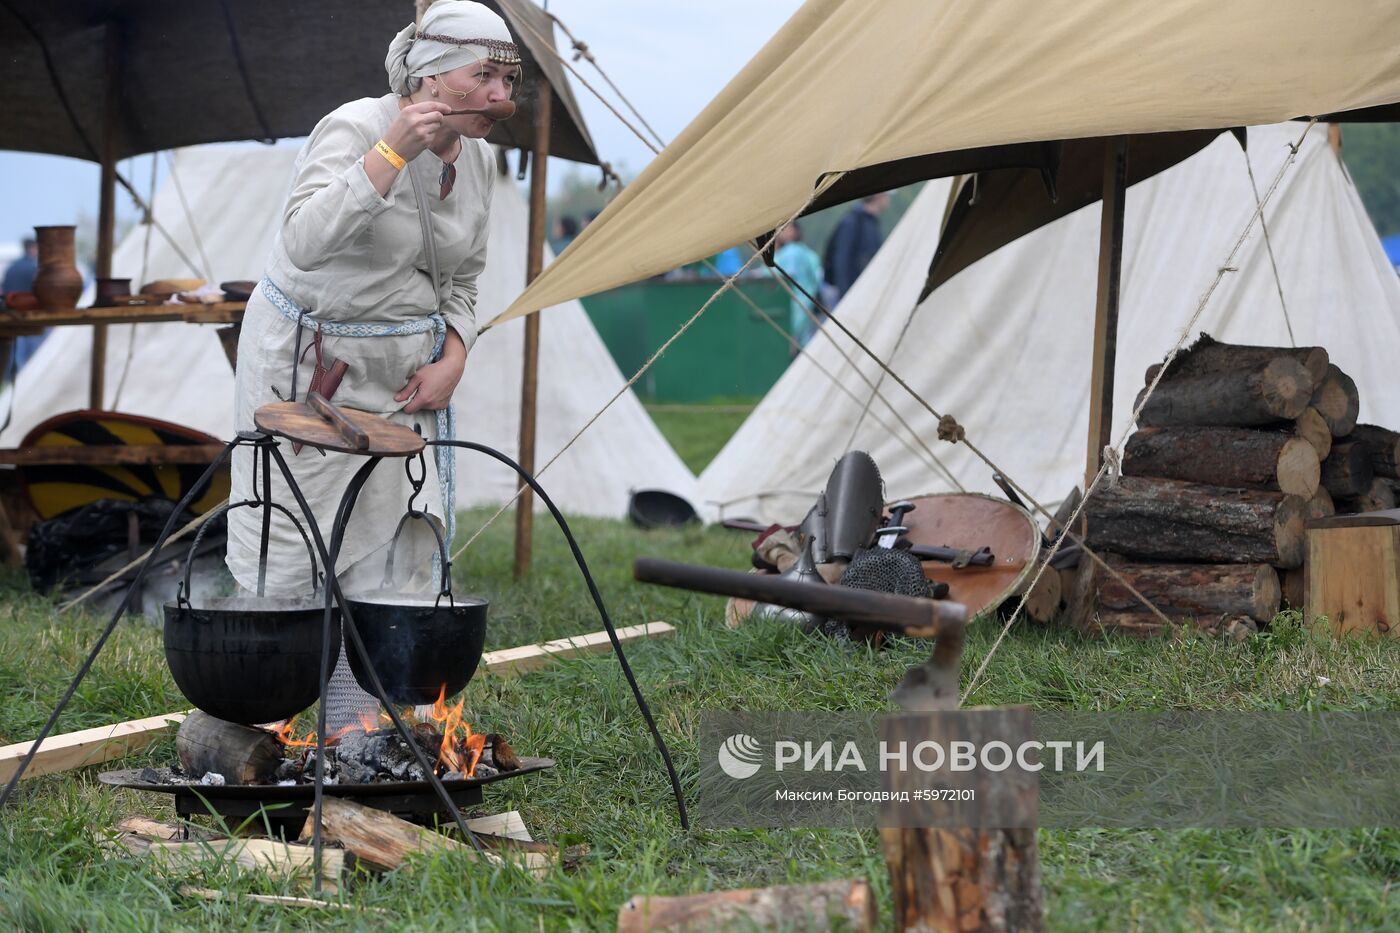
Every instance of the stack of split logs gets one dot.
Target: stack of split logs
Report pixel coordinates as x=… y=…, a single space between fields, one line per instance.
x=1235 y=450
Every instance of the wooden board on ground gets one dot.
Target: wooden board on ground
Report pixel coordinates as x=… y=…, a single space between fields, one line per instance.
x=272 y=857
x=55 y=488
x=827 y=905
x=526 y=658
x=87 y=746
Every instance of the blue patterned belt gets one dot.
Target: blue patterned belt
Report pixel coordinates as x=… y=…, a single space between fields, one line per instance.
x=445 y=457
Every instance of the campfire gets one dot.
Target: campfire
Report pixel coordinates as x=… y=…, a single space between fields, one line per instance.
x=372 y=751
x=215 y=752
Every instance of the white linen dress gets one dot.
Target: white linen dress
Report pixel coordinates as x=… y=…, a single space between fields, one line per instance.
x=346 y=254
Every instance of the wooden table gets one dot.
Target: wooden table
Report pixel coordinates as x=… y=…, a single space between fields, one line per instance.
x=26 y=323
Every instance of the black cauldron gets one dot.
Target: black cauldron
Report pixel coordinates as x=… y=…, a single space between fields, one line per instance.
x=245 y=659
x=419 y=648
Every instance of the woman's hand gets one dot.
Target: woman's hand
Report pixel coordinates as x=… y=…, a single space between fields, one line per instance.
x=431 y=387
x=415 y=128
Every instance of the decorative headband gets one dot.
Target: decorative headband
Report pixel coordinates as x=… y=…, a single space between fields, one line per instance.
x=506 y=53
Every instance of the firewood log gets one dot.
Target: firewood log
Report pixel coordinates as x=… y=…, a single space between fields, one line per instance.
x=242 y=754
x=1277 y=391
x=1337 y=401
x=1170 y=520
x=1225 y=457
x=1312 y=427
x=1382 y=446
x=1209 y=356
x=1347 y=471
x=849 y=904
x=1148 y=625
x=1320 y=505
x=1043 y=604
x=1293 y=584
x=1379 y=497
x=1207 y=591
x=383 y=841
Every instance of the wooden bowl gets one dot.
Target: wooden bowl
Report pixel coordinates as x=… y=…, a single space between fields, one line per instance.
x=164 y=288
x=21 y=301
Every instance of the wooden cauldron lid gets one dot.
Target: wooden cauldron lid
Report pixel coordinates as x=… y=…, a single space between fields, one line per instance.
x=299 y=422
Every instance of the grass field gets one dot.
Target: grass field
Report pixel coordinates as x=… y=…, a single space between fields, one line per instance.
x=609 y=789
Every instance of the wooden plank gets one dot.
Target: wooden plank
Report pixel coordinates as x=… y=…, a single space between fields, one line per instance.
x=508 y=825
x=110 y=454
x=509 y=661
x=223 y=312
x=104 y=743
x=86 y=747
x=274 y=900
x=273 y=857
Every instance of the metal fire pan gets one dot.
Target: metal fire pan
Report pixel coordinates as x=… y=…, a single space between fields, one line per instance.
x=131 y=778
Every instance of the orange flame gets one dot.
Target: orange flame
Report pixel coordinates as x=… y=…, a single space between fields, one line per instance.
x=460 y=750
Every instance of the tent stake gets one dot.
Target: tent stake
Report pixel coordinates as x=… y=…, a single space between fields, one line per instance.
x=529 y=379
x=1115 y=183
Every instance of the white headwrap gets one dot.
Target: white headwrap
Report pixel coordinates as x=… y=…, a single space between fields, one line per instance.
x=453 y=33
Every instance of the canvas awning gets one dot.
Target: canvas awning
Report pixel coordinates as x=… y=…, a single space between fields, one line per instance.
x=848 y=84
x=198 y=71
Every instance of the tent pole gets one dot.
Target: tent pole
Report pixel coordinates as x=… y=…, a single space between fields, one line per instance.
x=529 y=381
x=107 y=205
x=1115 y=183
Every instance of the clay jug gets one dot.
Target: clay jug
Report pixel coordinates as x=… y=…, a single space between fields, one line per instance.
x=58 y=283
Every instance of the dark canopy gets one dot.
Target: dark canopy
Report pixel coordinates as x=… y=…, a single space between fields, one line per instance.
x=202 y=71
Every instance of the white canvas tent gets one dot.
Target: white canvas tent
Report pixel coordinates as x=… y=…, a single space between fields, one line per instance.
x=178 y=372
x=1005 y=346
x=850 y=84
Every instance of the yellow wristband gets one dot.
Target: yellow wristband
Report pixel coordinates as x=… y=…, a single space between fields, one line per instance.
x=390 y=156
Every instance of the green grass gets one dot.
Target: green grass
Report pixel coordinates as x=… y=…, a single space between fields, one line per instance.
x=608 y=787
x=698 y=432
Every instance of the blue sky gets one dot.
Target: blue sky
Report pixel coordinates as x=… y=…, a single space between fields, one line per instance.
x=669 y=58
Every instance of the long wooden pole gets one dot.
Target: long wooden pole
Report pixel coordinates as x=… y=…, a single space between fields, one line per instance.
x=107 y=205
x=529 y=382
x=1115 y=183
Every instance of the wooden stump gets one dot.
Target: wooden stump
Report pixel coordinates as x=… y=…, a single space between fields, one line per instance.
x=1382 y=447
x=795 y=906
x=963 y=880
x=1347 y=471
x=242 y=754
x=1209 y=356
x=1337 y=401
x=1170 y=520
x=1278 y=391
x=1225 y=457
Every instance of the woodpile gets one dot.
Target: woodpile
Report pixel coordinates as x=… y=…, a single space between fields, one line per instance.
x=1236 y=449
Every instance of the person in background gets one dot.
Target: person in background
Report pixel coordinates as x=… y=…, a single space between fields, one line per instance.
x=801 y=262
x=853 y=243
x=19 y=277
x=565 y=229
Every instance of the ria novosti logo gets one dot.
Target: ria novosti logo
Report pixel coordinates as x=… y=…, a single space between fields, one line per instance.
x=740 y=756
